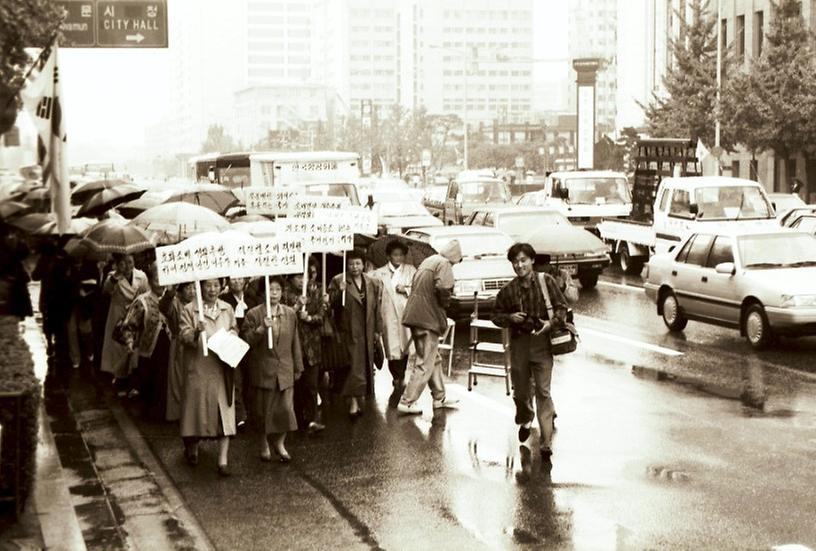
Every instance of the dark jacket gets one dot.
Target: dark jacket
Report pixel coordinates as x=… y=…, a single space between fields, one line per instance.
x=510 y=300
x=431 y=288
x=281 y=366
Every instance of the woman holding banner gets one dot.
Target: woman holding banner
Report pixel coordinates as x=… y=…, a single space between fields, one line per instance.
x=355 y=299
x=273 y=369
x=208 y=410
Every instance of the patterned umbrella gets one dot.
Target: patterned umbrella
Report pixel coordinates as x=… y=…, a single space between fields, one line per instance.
x=85 y=191
x=106 y=199
x=117 y=237
x=174 y=222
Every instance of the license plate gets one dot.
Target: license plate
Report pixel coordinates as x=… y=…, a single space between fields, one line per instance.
x=571 y=269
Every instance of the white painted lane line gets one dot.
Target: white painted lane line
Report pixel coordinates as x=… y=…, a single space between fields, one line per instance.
x=623 y=286
x=631 y=342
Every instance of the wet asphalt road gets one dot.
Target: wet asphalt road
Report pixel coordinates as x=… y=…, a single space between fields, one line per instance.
x=655 y=449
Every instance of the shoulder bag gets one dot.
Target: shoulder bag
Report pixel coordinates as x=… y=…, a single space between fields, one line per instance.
x=563 y=340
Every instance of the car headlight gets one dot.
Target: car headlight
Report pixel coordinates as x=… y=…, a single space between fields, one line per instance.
x=798 y=301
x=467 y=287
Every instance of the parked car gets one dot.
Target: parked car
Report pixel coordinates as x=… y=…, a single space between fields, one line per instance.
x=785 y=202
x=467 y=193
x=789 y=218
x=399 y=211
x=484 y=268
x=805 y=223
x=577 y=251
x=758 y=281
x=434 y=199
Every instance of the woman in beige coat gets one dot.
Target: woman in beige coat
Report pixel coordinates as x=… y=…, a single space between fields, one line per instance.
x=272 y=373
x=208 y=409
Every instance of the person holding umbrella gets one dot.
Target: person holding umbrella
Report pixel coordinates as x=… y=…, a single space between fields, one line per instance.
x=122 y=285
x=208 y=409
x=425 y=316
x=396 y=278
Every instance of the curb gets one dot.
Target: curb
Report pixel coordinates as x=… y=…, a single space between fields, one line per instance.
x=145 y=455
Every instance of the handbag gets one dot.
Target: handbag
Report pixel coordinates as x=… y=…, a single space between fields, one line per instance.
x=563 y=340
x=379 y=354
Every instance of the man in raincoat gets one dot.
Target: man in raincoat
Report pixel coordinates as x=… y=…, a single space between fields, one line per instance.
x=425 y=316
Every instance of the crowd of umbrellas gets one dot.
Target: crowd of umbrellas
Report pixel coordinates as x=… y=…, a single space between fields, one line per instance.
x=116 y=216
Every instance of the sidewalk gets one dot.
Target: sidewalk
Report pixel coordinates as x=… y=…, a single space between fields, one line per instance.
x=98 y=485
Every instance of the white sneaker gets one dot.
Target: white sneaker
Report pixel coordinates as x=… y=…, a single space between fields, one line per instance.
x=447 y=403
x=409 y=409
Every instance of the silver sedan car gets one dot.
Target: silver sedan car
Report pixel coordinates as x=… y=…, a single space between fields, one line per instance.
x=762 y=283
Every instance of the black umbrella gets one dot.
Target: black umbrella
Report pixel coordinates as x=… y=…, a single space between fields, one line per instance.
x=85 y=191
x=104 y=200
x=417 y=250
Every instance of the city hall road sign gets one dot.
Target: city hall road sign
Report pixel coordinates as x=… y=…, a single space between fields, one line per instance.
x=114 y=23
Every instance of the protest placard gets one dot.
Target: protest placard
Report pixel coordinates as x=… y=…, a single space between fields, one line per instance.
x=269 y=201
x=304 y=206
x=353 y=219
x=317 y=236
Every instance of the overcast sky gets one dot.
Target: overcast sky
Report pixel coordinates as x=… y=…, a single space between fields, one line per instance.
x=113 y=95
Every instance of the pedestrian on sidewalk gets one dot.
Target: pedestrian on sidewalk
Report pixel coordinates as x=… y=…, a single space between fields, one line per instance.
x=122 y=285
x=273 y=371
x=310 y=310
x=58 y=294
x=176 y=378
x=360 y=327
x=242 y=298
x=147 y=333
x=425 y=316
x=395 y=278
x=208 y=410
x=15 y=299
x=521 y=307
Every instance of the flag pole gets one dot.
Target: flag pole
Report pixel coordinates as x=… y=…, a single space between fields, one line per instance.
x=717 y=128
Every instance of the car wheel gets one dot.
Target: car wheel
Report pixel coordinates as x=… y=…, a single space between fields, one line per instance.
x=588 y=280
x=756 y=327
x=672 y=316
x=629 y=265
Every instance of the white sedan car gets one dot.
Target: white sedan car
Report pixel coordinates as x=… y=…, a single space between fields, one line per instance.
x=762 y=283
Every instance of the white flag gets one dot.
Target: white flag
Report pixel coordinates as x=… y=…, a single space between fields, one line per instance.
x=702 y=151
x=42 y=99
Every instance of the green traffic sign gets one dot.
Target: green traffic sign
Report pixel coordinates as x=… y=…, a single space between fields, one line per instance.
x=114 y=23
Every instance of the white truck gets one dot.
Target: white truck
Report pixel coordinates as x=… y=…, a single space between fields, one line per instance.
x=585 y=197
x=683 y=205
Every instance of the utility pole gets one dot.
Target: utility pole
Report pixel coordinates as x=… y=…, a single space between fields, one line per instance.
x=717 y=148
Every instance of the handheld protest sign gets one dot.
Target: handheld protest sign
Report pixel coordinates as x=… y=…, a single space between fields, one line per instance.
x=305 y=272
x=270 y=339
x=200 y=304
x=344 y=279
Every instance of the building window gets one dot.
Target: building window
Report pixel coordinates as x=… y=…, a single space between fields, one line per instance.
x=735 y=169
x=759 y=33
x=740 y=37
x=724 y=34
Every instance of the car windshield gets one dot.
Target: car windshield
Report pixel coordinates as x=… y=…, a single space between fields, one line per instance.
x=484 y=192
x=234 y=176
x=806 y=223
x=517 y=223
x=334 y=190
x=779 y=250
x=478 y=244
x=598 y=191
x=731 y=203
x=786 y=202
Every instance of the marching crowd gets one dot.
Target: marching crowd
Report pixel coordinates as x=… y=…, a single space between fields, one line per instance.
x=305 y=345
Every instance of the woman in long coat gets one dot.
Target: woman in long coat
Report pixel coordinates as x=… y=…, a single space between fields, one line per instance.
x=122 y=285
x=208 y=410
x=360 y=326
x=395 y=278
x=184 y=295
x=273 y=372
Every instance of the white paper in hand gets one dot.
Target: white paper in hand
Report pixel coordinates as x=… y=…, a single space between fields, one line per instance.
x=230 y=348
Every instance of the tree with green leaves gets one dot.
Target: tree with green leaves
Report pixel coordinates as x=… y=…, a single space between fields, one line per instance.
x=23 y=24
x=218 y=141
x=772 y=107
x=689 y=108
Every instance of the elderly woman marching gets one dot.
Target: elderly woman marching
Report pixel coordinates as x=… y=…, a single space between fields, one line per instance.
x=360 y=326
x=396 y=278
x=122 y=285
x=208 y=409
x=273 y=372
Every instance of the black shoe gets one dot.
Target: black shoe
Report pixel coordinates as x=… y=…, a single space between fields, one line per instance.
x=315 y=427
x=191 y=456
x=223 y=471
x=546 y=455
x=241 y=426
x=524 y=433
